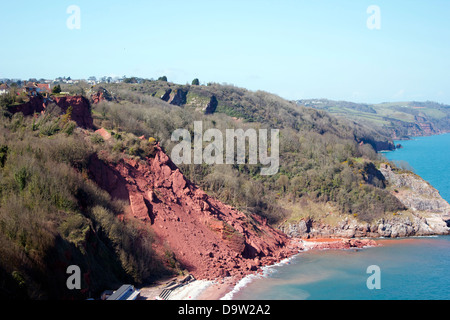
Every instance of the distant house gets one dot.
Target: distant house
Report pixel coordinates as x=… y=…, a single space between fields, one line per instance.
x=33 y=88
x=44 y=87
x=4 y=89
x=125 y=292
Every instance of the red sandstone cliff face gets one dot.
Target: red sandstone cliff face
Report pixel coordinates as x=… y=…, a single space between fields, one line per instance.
x=81 y=112
x=420 y=127
x=101 y=94
x=81 y=108
x=34 y=105
x=208 y=238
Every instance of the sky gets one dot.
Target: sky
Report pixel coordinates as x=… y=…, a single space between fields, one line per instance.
x=296 y=49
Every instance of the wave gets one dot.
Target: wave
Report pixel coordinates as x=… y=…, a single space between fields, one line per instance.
x=266 y=272
x=432 y=236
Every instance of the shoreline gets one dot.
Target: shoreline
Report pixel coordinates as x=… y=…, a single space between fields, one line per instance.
x=226 y=288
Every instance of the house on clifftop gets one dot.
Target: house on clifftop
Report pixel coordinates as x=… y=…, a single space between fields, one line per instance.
x=4 y=89
x=33 y=88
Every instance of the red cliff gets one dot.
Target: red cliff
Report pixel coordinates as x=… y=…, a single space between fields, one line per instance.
x=100 y=94
x=81 y=108
x=210 y=239
x=36 y=104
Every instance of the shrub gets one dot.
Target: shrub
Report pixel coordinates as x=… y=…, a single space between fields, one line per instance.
x=69 y=127
x=50 y=128
x=97 y=139
x=21 y=177
x=3 y=155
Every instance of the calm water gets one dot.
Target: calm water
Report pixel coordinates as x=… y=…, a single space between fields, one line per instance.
x=414 y=268
x=430 y=159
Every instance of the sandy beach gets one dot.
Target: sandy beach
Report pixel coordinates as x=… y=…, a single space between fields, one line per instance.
x=206 y=290
x=195 y=290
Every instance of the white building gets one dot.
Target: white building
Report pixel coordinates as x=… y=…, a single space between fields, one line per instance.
x=4 y=89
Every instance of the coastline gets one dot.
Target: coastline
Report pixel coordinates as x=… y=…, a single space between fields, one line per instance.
x=226 y=288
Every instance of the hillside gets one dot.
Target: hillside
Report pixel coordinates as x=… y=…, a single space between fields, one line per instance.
x=400 y=120
x=322 y=158
x=239 y=103
x=87 y=179
x=427 y=213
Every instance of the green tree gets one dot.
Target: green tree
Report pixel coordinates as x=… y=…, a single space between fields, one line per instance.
x=3 y=155
x=195 y=82
x=163 y=78
x=56 y=89
x=68 y=116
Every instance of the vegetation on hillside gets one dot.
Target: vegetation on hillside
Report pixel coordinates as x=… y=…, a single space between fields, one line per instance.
x=400 y=119
x=53 y=216
x=321 y=157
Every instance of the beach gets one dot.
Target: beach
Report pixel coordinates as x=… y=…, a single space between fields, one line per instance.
x=225 y=288
x=195 y=290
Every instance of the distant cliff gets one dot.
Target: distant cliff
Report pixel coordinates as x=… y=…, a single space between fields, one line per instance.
x=400 y=120
x=420 y=127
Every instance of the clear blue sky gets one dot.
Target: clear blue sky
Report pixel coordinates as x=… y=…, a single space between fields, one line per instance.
x=296 y=49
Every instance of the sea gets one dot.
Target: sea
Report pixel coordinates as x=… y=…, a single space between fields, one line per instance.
x=413 y=268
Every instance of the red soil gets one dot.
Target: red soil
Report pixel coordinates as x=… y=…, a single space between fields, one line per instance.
x=210 y=239
x=81 y=109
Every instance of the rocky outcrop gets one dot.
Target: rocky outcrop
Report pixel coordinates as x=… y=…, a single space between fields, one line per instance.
x=427 y=214
x=35 y=104
x=373 y=176
x=378 y=145
x=209 y=238
x=166 y=95
x=177 y=97
x=420 y=127
x=414 y=192
x=211 y=106
x=338 y=244
x=81 y=108
x=100 y=94
x=385 y=227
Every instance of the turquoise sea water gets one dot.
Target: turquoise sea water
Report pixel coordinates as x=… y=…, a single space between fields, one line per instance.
x=410 y=269
x=430 y=159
